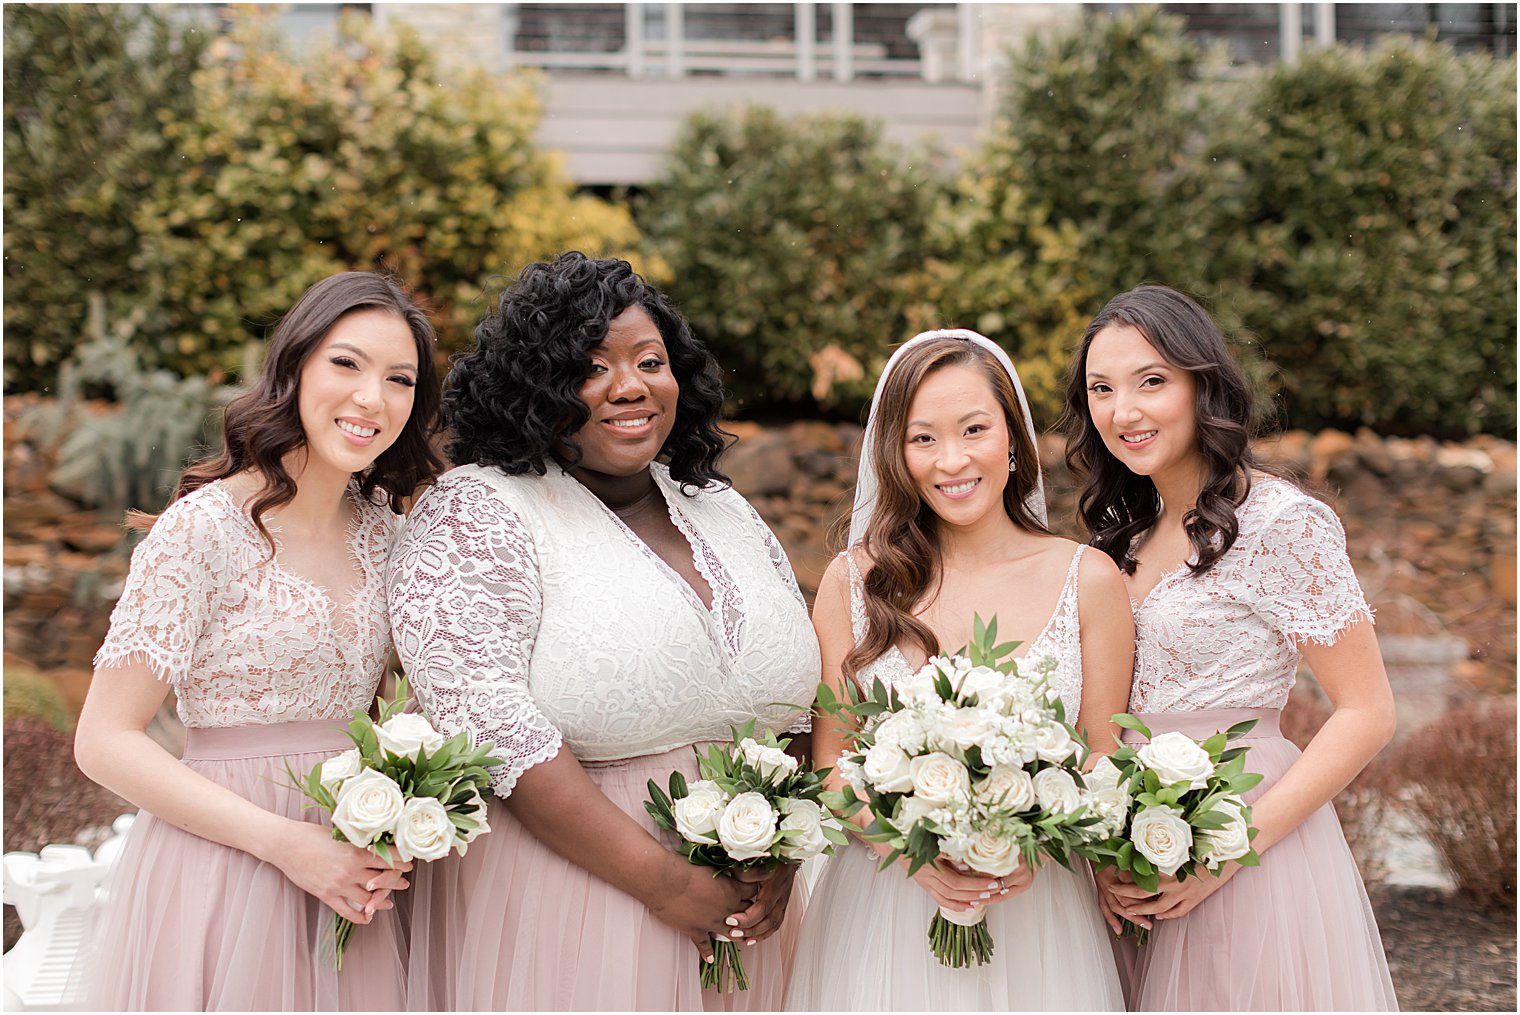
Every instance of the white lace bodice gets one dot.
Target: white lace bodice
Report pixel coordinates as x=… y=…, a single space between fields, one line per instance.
x=1229 y=638
x=243 y=639
x=528 y=614
x=1061 y=638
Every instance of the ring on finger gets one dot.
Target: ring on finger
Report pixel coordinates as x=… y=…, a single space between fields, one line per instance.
x=357 y=907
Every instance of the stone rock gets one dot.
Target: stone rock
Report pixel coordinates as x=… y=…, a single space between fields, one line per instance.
x=760 y=466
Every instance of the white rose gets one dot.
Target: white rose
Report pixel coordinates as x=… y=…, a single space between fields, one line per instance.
x=1006 y=788
x=1176 y=758
x=911 y=811
x=1104 y=775
x=966 y=728
x=1162 y=837
x=807 y=817
x=747 y=826
x=983 y=681
x=918 y=688
x=1111 y=803
x=407 y=733
x=367 y=807
x=901 y=729
x=1053 y=743
x=424 y=831
x=993 y=854
x=697 y=812
x=939 y=778
x=850 y=773
x=1057 y=791
x=474 y=807
x=1233 y=841
x=888 y=769
x=339 y=768
x=774 y=763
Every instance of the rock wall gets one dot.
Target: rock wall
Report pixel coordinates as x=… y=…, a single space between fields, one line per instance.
x=1431 y=528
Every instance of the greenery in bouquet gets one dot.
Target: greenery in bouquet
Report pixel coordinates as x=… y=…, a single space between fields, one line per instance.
x=754 y=806
x=1185 y=807
x=403 y=790
x=970 y=758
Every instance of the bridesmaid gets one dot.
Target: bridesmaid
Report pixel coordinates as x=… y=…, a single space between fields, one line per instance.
x=258 y=596
x=588 y=592
x=1236 y=575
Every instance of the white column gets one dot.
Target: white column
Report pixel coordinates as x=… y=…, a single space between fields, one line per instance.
x=633 y=39
x=844 y=42
x=1290 y=32
x=970 y=69
x=508 y=55
x=1324 y=24
x=675 y=34
x=806 y=31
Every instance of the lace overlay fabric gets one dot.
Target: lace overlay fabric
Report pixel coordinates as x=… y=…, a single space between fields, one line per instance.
x=526 y=613
x=1060 y=638
x=1230 y=638
x=243 y=639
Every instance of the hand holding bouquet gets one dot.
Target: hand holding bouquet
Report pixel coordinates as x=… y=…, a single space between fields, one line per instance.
x=752 y=807
x=971 y=758
x=1184 y=807
x=403 y=790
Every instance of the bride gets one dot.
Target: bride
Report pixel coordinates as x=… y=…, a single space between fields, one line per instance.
x=949 y=521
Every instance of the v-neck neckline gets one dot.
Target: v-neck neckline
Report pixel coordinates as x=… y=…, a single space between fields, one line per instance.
x=320 y=592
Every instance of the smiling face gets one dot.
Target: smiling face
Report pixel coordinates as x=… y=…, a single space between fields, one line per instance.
x=956 y=445
x=356 y=390
x=631 y=394
x=1142 y=406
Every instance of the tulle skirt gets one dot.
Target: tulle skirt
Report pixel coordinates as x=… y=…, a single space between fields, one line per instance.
x=865 y=946
x=512 y=926
x=1295 y=934
x=192 y=925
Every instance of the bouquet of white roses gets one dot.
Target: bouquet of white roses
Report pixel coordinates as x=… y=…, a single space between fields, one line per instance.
x=972 y=758
x=1184 y=807
x=752 y=807
x=403 y=790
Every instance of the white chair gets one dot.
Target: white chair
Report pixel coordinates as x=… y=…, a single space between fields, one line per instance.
x=57 y=893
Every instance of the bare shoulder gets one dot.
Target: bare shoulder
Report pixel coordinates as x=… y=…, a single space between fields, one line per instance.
x=834 y=586
x=1099 y=578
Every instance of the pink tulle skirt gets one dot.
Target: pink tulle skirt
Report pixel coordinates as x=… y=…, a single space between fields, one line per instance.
x=192 y=925
x=512 y=926
x=1295 y=934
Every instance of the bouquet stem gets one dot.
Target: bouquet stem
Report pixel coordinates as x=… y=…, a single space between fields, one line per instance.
x=342 y=928
x=726 y=970
x=958 y=946
x=1134 y=931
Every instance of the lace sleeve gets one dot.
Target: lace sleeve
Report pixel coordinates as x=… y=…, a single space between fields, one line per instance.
x=169 y=594
x=465 y=607
x=1300 y=577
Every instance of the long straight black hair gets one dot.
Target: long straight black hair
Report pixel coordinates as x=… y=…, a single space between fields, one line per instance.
x=1117 y=505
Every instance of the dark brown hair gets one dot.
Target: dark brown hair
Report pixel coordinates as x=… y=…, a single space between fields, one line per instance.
x=1117 y=505
x=263 y=425
x=902 y=538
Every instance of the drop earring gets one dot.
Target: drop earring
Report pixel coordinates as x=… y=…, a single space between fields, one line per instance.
x=1013 y=466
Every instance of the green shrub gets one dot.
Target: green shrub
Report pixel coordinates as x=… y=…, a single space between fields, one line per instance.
x=84 y=86
x=1374 y=208
x=30 y=695
x=794 y=247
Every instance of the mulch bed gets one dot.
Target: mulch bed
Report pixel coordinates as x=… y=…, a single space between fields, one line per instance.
x=1446 y=955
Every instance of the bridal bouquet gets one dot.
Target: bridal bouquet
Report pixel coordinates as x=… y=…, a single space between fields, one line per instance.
x=752 y=807
x=403 y=790
x=971 y=757
x=1184 y=808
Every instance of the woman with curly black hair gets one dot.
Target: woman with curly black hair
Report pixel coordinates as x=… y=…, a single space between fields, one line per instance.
x=587 y=591
x=1236 y=575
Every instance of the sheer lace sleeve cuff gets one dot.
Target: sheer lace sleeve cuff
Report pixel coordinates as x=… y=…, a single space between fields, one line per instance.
x=465 y=605
x=169 y=593
x=773 y=547
x=1302 y=577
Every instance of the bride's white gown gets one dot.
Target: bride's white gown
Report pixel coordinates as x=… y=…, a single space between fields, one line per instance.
x=865 y=945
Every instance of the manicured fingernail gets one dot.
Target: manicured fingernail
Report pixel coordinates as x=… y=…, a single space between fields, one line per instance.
x=992 y=884
x=736 y=933
x=708 y=958
x=370 y=886
x=986 y=895
x=732 y=921
x=750 y=943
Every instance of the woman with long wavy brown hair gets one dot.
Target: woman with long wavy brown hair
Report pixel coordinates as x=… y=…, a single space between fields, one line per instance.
x=258 y=596
x=949 y=522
